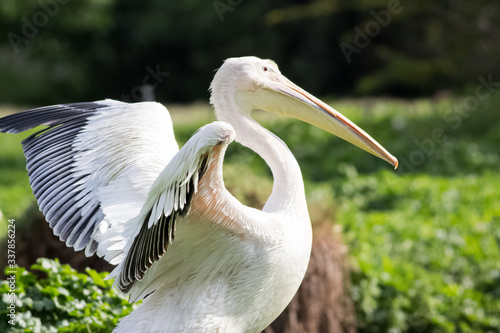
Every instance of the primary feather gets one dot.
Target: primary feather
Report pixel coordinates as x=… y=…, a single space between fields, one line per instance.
x=89 y=174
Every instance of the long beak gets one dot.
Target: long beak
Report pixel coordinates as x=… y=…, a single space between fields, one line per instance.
x=284 y=97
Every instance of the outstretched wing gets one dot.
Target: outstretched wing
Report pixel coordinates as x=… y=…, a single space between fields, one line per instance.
x=169 y=198
x=92 y=167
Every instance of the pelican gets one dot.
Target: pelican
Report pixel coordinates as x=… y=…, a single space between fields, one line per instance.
x=110 y=179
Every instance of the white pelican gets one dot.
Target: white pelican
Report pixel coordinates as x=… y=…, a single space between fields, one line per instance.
x=110 y=179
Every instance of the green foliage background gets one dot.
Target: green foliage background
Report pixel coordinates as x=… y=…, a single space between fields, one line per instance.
x=91 y=49
x=63 y=301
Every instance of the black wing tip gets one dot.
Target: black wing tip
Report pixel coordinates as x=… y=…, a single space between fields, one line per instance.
x=48 y=155
x=148 y=247
x=46 y=115
x=151 y=244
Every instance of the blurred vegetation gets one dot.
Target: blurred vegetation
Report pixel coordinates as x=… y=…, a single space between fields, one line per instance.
x=67 y=51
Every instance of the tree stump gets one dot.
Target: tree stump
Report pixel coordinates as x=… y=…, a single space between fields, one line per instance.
x=323 y=302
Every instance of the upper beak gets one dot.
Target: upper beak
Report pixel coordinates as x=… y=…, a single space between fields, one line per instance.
x=284 y=97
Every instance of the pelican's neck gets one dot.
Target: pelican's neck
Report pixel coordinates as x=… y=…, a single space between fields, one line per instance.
x=288 y=186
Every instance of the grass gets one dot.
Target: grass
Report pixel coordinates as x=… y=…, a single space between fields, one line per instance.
x=423 y=240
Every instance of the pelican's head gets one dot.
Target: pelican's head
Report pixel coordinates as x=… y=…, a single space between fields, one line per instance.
x=257 y=84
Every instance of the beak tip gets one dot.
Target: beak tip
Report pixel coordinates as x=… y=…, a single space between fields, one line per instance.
x=395 y=163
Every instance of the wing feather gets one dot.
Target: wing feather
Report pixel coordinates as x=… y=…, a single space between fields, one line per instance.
x=109 y=177
x=168 y=200
x=85 y=148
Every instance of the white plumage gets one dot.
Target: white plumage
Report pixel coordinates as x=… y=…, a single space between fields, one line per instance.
x=110 y=179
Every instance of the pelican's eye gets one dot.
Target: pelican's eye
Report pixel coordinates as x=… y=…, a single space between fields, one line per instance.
x=265 y=68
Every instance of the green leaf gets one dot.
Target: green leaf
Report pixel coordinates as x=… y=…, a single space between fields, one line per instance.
x=96 y=277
